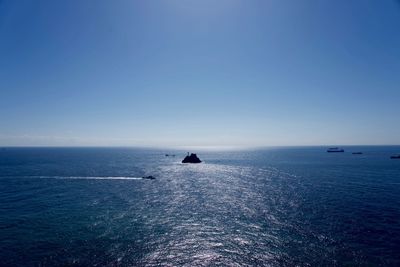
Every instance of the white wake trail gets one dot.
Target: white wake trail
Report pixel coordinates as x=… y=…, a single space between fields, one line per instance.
x=83 y=177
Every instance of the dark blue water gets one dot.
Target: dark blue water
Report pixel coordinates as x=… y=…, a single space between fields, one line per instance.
x=272 y=207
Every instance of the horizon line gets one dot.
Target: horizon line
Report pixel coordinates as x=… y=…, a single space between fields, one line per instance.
x=195 y=147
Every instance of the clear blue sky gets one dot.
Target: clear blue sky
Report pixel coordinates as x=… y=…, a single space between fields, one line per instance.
x=199 y=73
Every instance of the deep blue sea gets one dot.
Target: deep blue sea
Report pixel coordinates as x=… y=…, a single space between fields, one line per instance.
x=268 y=207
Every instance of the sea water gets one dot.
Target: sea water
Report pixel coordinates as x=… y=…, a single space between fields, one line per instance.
x=265 y=207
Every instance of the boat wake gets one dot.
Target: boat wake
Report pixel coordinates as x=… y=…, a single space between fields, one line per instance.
x=79 y=177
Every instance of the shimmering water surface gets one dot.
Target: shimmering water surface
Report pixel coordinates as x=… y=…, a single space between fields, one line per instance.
x=271 y=207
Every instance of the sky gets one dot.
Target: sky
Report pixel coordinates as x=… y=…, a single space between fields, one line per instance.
x=199 y=73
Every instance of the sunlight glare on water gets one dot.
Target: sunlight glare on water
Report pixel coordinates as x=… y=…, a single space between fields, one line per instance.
x=280 y=207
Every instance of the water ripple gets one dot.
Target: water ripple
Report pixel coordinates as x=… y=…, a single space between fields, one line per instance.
x=300 y=213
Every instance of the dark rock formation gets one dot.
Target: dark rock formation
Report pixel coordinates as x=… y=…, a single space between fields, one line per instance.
x=191 y=159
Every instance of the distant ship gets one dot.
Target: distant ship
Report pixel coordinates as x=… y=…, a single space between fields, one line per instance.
x=357 y=153
x=334 y=149
x=395 y=157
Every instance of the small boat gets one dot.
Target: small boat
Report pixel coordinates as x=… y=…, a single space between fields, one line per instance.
x=395 y=157
x=357 y=153
x=149 y=177
x=334 y=149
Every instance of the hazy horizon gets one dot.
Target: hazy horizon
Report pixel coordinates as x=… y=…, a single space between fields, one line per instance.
x=199 y=73
x=170 y=149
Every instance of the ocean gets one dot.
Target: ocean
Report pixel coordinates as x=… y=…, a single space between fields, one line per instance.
x=298 y=206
